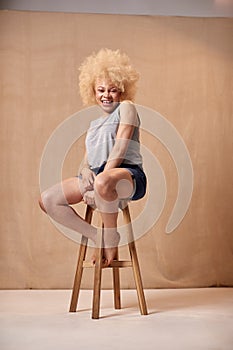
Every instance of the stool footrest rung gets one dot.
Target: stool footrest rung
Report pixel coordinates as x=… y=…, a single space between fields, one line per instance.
x=115 y=263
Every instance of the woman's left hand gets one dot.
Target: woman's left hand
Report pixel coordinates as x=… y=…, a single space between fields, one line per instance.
x=86 y=181
x=89 y=197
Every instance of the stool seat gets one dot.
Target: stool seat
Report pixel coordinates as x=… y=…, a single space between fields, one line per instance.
x=116 y=264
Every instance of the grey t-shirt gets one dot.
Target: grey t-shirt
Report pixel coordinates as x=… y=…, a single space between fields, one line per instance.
x=100 y=140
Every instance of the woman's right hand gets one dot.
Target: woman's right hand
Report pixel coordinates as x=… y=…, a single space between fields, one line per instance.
x=87 y=180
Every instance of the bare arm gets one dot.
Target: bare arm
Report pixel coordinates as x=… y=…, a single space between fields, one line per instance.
x=125 y=131
x=87 y=176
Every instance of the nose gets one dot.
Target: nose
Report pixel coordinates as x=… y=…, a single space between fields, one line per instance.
x=106 y=93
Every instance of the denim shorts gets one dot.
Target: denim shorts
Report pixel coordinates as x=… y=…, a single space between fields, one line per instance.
x=138 y=177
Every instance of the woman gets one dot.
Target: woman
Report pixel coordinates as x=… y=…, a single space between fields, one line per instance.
x=112 y=167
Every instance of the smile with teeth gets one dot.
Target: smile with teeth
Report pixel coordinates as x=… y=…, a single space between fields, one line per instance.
x=106 y=102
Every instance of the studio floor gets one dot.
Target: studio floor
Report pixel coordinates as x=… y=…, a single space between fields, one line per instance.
x=182 y=319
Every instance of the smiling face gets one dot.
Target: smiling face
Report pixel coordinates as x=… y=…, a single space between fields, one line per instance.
x=107 y=95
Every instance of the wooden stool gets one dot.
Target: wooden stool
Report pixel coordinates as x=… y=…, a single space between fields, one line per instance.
x=115 y=265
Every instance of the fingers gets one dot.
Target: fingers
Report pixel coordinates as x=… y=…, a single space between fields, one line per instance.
x=87 y=187
x=88 y=181
x=92 y=179
x=89 y=197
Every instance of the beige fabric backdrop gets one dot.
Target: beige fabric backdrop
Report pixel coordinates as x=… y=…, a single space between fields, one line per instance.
x=186 y=75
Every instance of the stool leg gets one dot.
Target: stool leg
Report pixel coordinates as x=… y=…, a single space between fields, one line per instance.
x=135 y=263
x=116 y=285
x=79 y=269
x=97 y=274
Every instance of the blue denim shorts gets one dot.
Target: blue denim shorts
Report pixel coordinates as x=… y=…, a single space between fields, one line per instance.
x=138 y=177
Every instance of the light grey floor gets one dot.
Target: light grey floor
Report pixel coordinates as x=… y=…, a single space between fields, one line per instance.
x=182 y=319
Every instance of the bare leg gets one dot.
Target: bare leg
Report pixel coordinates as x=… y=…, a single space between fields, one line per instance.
x=109 y=186
x=56 y=203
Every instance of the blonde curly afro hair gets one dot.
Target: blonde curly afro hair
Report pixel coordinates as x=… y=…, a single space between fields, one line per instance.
x=110 y=65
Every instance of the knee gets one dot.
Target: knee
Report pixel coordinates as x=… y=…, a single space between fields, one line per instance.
x=104 y=185
x=41 y=204
x=109 y=188
x=46 y=202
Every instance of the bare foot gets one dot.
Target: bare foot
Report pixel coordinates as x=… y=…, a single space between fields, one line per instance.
x=109 y=256
x=93 y=258
x=111 y=241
